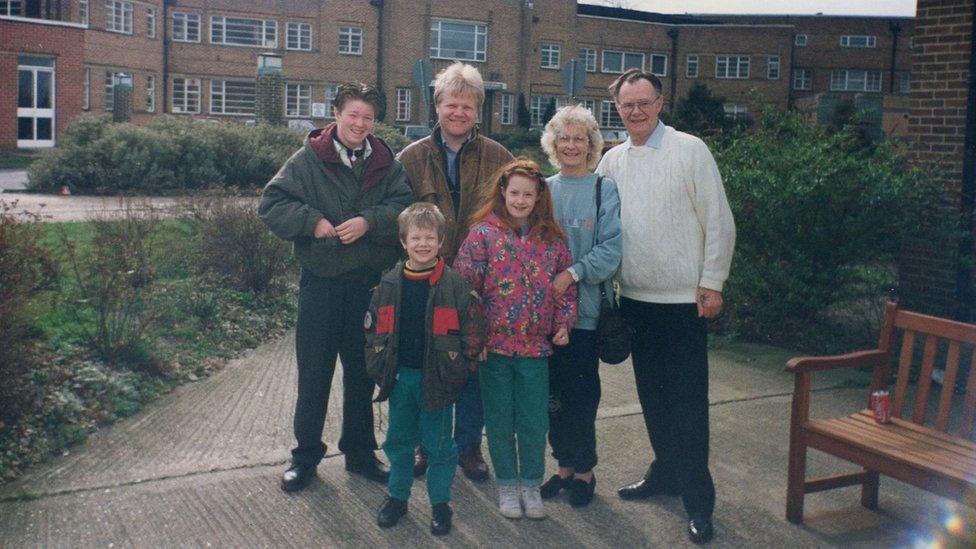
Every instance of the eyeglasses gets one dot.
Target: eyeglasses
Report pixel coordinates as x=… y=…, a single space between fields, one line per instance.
x=644 y=105
x=575 y=139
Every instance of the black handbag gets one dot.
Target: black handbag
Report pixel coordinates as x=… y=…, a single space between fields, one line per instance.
x=613 y=334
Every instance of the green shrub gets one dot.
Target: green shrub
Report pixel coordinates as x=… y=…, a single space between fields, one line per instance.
x=392 y=136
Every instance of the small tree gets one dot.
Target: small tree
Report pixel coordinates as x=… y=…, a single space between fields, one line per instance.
x=700 y=112
x=549 y=112
x=524 y=116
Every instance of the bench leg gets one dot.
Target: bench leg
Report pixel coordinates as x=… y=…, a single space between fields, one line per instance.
x=796 y=478
x=869 y=490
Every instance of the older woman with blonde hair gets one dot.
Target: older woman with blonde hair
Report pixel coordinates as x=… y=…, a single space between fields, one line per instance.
x=573 y=142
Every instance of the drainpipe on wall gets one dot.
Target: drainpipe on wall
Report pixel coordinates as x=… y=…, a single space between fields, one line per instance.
x=895 y=29
x=964 y=273
x=164 y=76
x=673 y=35
x=378 y=4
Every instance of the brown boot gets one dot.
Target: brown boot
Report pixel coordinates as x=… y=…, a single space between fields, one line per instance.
x=419 y=461
x=473 y=465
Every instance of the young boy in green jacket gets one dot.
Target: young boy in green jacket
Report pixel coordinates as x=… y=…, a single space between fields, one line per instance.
x=424 y=334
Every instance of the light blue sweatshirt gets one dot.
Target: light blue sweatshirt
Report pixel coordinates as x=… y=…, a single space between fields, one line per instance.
x=574 y=200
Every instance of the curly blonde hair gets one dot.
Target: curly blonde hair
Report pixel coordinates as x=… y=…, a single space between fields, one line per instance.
x=573 y=115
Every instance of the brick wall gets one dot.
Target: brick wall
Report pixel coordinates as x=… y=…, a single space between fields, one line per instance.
x=938 y=276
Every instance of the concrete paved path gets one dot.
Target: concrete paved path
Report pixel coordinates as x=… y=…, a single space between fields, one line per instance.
x=13 y=180
x=56 y=208
x=200 y=467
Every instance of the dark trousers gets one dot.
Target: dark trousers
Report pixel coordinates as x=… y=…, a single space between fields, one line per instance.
x=469 y=417
x=670 y=358
x=574 y=396
x=330 y=323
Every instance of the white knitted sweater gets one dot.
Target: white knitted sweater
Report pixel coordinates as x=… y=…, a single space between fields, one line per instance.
x=678 y=232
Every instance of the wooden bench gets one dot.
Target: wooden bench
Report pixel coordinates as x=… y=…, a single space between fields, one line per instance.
x=930 y=455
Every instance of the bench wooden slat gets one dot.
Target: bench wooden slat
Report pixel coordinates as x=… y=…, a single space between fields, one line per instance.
x=925 y=378
x=949 y=442
x=969 y=405
x=948 y=387
x=911 y=444
x=948 y=329
x=904 y=366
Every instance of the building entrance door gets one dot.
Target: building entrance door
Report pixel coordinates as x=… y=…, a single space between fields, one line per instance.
x=35 y=101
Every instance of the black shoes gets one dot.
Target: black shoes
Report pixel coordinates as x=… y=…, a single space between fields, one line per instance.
x=473 y=465
x=390 y=512
x=700 y=530
x=419 y=461
x=645 y=488
x=368 y=467
x=581 y=492
x=297 y=477
x=440 y=519
x=551 y=487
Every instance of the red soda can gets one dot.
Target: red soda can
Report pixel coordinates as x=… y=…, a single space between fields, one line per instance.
x=881 y=406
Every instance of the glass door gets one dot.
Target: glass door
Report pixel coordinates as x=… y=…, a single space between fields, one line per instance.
x=35 y=102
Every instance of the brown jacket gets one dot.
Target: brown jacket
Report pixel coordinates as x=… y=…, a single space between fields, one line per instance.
x=425 y=164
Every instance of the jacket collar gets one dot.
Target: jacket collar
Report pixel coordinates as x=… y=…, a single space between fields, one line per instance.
x=396 y=272
x=437 y=142
x=320 y=142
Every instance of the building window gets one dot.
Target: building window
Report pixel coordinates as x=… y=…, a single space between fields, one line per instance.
x=457 y=40
x=772 y=68
x=800 y=40
x=732 y=67
x=621 y=61
x=735 y=112
x=186 y=95
x=857 y=41
x=151 y=93
x=609 y=117
x=904 y=83
x=118 y=17
x=550 y=56
x=186 y=27
x=537 y=108
x=110 y=90
x=299 y=36
x=232 y=97
x=298 y=100
x=855 y=80
x=588 y=55
x=659 y=64
x=351 y=40
x=237 y=31
x=10 y=7
x=86 y=89
x=802 y=79
x=330 y=93
x=508 y=109
x=403 y=104
x=83 y=11
x=691 y=66
x=151 y=22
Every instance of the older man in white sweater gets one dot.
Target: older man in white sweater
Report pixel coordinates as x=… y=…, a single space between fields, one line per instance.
x=678 y=237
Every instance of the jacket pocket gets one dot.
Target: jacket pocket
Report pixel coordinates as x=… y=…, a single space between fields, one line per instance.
x=451 y=364
x=377 y=367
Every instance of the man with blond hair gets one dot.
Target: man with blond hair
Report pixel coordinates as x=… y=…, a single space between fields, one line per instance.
x=450 y=168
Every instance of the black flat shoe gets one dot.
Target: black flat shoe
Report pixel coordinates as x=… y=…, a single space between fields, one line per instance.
x=644 y=488
x=297 y=477
x=390 y=512
x=551 y=487
x=581 y=492
x=440 y=519
x=369 y=468
x=700 y=530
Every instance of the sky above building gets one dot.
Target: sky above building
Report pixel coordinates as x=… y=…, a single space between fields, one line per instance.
x=901 y=8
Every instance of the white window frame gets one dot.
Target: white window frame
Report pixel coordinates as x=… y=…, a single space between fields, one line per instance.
x=858 y=41
x=188 y=93
x=404 y=98
x=86 y=90
x=221 y=98
x=692 y=62
x=609 y=115
x=800 y=40
x=538 y=103
x=11 y=8
x=268 y=31
x=802 y=79
x=298 y=36
x=847 y=79
x=151 y=93
x=298 y=100
x=550 y=56
x=904 y=83
x=151 y=22
x=351 y=40
x=184 y=22
x=740 y=62
x=623 y=61
x=772 y=67
x=507 y=117
x=590 y=104
x=118 y=16
x=735 y=111
x=84 y=13
x=662 y=73
x=479 y=33
x=588 y=55
x=330 y=93
x=110 y=89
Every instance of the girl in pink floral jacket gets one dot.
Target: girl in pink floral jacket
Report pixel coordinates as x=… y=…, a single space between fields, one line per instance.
x=510 y=257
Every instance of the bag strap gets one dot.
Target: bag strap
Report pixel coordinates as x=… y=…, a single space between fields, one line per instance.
x=596 y=228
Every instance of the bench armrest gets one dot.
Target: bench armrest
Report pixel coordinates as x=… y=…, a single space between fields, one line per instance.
x=856 y=359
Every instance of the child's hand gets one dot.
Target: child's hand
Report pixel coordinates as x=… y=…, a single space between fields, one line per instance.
x=561 y=338
x=561 y=283
x=483 y=355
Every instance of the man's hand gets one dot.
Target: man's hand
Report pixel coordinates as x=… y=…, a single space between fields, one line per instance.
x=561 y=283
x=324 y=229
x=351 y=230
x=709 y=302
x=561 y=338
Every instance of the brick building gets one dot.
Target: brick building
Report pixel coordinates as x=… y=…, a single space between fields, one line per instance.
x=941 y=276
x=199 y=57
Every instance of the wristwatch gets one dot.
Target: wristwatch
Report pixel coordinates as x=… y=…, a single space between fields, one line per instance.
x=572 y=273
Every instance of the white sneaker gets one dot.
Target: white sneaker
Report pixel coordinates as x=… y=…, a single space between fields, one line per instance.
x=532 y=501
x=508 y=502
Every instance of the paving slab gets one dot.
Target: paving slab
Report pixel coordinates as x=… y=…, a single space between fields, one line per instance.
x=13 y=180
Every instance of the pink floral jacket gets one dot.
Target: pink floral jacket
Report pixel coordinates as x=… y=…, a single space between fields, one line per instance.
x=513 y=275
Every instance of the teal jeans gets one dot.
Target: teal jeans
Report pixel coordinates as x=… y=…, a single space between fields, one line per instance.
x=411 y=425
x=515 y=393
